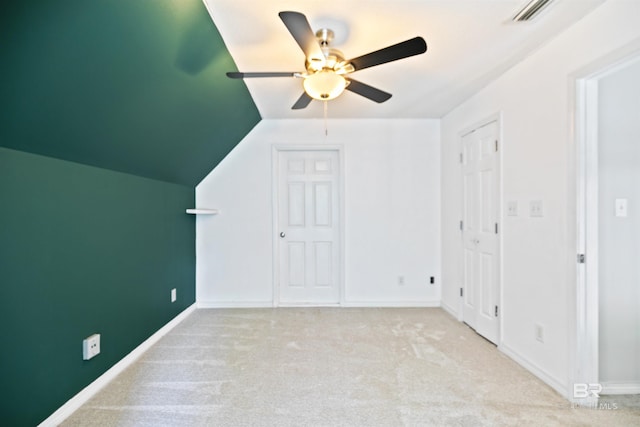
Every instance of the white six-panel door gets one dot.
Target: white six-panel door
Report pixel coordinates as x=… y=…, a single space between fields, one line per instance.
x=480 y=230
x=308 y=227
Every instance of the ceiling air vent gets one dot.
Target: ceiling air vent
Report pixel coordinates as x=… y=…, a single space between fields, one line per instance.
x=530 y=10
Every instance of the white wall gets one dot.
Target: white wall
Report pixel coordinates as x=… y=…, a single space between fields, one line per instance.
x=619 y=237
x=392 y=213
x=537 y=156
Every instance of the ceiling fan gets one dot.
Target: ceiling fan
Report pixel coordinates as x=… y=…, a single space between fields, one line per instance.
x=326 y=70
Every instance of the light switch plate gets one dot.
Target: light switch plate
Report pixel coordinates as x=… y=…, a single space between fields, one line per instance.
x=621 y=208
x=535 y=208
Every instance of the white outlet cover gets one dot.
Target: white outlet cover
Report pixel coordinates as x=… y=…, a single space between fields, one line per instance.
x=173 y=295
x=512 y=208
x=539 y=333
x=91 y=346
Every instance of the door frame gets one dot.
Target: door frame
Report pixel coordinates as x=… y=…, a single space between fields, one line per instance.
x=583 y=179
x=275 y=154
x=496 y=117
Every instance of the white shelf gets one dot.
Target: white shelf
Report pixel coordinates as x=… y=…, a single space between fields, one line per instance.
x=203 y=211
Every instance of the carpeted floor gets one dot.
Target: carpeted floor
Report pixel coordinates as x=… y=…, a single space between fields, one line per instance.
x=333 y=367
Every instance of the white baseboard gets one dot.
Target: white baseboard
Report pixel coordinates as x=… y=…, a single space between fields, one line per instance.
x=391 y=304
x=234 y=304
x=620 y=388
x=548 y=379
x=352 y=304
x=306 y=304
x=89 y=391
x=450 y=310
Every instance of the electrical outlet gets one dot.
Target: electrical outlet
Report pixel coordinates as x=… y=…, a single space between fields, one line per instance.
x=174 y=295
x=400 y=280
x=539 y=332
x=91 y=347
x=512 y=208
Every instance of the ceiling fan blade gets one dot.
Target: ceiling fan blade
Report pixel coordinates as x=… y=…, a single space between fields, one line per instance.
x=301 y=31
x=414 y=46
x=302 y=102
x=239 y=75
x=367 y=91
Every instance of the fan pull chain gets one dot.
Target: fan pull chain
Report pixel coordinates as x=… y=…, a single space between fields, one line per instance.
x=326 y=130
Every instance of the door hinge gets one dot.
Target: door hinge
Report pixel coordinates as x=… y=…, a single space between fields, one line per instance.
x=461 y=292
x=461 y=225
x=460 y=157
x=496 y=145
x=496 y=311
x=496 y=228
x=581 y=258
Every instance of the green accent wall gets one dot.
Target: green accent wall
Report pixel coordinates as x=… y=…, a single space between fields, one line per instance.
x=111 y=111
x=83 y=250
x=136 y=86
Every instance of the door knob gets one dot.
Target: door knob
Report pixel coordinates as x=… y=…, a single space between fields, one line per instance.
x=282 y=234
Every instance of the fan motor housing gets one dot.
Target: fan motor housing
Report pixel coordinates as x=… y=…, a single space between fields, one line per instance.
x=333 y=58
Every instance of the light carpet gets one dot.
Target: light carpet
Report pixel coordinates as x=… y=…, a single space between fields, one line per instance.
x=333 y=367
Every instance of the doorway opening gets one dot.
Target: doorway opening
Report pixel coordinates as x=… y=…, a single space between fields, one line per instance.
x=607 y=345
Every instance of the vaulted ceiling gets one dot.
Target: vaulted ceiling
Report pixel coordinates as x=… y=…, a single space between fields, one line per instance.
x=132 y=86
x=140 y=86
x=470 y=43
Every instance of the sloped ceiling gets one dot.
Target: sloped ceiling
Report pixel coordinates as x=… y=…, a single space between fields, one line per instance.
x=470 y=43
x=140 y=86
x=133 y=86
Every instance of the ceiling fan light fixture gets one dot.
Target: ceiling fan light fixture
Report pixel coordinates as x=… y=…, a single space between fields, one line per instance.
x=325 y=67
x=324 y=85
